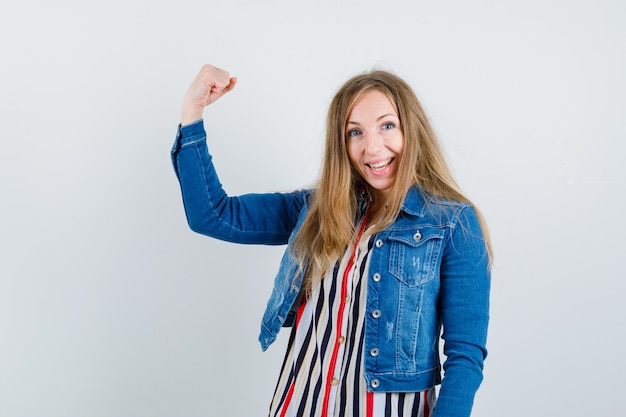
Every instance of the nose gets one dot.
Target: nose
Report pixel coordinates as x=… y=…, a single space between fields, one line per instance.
x=373 y=143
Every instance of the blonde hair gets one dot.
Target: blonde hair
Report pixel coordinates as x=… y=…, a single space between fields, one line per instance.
x=331 y=221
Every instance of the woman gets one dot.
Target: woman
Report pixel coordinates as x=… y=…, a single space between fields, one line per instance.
x=385 y=257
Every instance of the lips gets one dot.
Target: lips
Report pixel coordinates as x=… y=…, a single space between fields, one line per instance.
x=379 y=166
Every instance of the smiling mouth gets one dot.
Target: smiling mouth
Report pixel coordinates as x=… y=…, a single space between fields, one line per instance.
x=380 y=165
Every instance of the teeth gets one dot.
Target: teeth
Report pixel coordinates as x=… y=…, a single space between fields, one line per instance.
x=380 y=165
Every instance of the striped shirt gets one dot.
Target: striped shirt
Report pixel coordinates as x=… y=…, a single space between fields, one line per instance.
x=322 y=373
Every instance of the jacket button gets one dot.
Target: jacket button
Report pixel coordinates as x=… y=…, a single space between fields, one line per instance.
x=379 y=243
x=375 y=383
x=417 y=236
x=374 y=352
x=376 y=314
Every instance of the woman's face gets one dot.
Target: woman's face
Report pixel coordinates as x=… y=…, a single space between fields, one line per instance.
x=375 y=141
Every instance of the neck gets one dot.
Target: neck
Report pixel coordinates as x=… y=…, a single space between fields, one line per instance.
x=376 y=211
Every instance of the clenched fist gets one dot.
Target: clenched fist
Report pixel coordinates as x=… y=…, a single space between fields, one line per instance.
x=210 y=84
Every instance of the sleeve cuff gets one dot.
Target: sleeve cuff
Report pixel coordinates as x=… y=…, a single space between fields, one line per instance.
x=187 y=134
x=193 y=129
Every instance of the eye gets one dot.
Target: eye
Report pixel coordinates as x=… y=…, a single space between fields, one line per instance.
x=389 y=125
x=352 y=133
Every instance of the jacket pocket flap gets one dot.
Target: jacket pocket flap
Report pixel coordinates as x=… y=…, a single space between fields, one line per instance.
x=416 y=237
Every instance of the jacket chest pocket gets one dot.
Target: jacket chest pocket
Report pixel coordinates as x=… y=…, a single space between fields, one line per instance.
x=414 y=254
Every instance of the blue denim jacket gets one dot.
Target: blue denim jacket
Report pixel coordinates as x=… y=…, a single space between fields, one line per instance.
x=428 y=271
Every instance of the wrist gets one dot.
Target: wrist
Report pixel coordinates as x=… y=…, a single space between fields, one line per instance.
x=189 y=115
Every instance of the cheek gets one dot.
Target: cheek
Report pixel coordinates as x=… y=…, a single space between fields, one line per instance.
x=398 y=146
x=353 y=154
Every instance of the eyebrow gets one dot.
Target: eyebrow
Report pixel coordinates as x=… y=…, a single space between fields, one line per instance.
x=377 y=119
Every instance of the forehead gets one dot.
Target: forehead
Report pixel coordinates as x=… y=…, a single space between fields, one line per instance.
x=371 y=103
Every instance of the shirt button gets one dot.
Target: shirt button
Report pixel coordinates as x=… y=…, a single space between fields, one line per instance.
x=347 y=298
x=342 y=339
x=334 y=382
x=375 y=383
x=376 y=277
x=374 y=352
x=417 y=236
x=376 y=314
x=379 y=243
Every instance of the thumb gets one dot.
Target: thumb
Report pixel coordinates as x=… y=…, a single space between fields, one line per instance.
x=218 y=91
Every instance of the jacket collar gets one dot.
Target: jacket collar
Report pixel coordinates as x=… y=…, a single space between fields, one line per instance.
x=414 y=202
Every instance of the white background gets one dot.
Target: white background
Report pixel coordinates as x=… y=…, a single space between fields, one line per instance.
x=110 y=306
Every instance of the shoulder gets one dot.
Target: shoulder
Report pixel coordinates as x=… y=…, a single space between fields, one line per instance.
x=306 y=197
x=421 y=204
x=302 y=201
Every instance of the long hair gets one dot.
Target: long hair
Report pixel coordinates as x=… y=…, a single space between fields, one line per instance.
x=331 y=221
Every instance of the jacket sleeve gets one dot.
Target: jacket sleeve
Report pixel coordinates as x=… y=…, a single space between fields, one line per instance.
x=251 y=218
x=464 y=304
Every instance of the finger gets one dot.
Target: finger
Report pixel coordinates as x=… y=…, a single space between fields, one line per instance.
x=217 y=76
x=218 y=90
x=231 y=85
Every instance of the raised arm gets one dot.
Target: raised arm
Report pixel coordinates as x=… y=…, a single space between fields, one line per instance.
x=251 y=218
